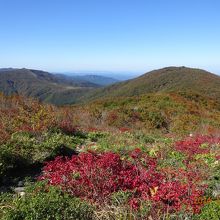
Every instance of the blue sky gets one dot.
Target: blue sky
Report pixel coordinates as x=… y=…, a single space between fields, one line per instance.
x=110 y=35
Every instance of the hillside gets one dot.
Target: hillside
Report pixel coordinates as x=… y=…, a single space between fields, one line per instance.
x=95 y=79
x=43 y=85
x=170 y=79
x=80 y=163
x=60 y=89
x=179 y=113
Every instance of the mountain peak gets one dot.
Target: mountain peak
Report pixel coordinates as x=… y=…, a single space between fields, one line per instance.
x=168 y=79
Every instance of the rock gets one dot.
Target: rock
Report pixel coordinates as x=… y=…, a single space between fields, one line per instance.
x=19 y=189
x=20 y=183
x=216 y=192
x=21 y=194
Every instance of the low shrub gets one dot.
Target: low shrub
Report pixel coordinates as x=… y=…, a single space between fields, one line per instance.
x=196 y=145
x=7 y=161
x=210 y=211
x=97 y=176
x=49 y=203
x=24 y=149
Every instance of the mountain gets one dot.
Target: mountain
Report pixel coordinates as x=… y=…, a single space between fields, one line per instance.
x=114 y=75
x=6 y=69
x=99 y=80
x=94 y=79
x=169 y=79
x=61 y=89
x=43 y=85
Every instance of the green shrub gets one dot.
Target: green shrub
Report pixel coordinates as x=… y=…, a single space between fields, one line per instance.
x=210 y=212
x=207 y=158
x=157 y=119
x=213 y=181
x=40 y=203
x=7 y=161
x=146 y=139
x=95 y=136
x=173 y=159
x=38 y=147
x=26 y=148
x=120 y=198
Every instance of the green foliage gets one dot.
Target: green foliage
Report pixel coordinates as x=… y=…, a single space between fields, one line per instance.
x=27 y=148
x=207 y=158
x=164 y=112
x=213 y=181
x=173 y=159
x=95 y=136
x=120 y=198
x=144 y=210
x=7 y=161
x=46 y=203
x=157 y=120
x=38 y=147
x=210 y=211
x=146 y=138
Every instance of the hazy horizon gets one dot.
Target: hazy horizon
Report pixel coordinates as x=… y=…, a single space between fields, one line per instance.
x=109 y=73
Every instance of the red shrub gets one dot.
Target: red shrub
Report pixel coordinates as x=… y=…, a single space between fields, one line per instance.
x=112 y=117
x=92 y=129
x=191 y=146
x=67 y=127
x=123 y=129
x=96 y=176
x=218 y=157
x=174 y=195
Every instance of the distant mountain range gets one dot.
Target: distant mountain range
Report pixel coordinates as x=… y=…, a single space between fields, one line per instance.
x=95 y=79
x=61 y=89
x=114 y=75
x=169 y=79
x=43 y=85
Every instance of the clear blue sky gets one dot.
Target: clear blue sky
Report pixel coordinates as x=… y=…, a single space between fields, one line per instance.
x=112 y=35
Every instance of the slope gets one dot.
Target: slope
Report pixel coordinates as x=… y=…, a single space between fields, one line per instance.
x=43 y=85
x=170 y=79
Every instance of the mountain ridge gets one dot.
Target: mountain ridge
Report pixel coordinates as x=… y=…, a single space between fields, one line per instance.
x=42 y=85
x=60 y=89
x=168 y=79
x=91 y=78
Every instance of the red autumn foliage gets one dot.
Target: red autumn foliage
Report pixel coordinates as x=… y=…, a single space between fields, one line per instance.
x=175 y=195
x=134 y=204
x=192 y=146
x=91 y=129
x=67 y=127
x=217 y=157
x=112 y=117
x=95 y=177
x=123 y=129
